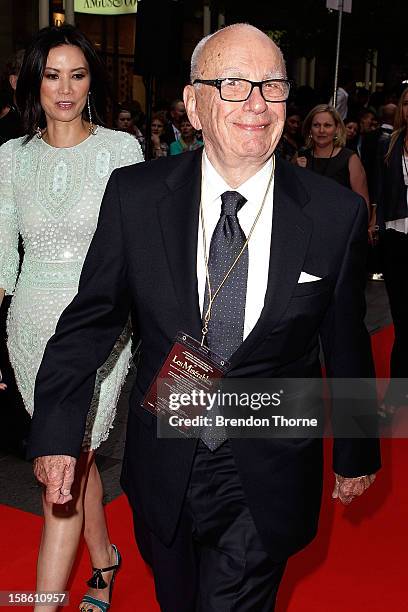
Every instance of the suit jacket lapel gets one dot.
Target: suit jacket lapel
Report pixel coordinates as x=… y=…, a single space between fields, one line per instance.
x=178 y=216
x=291 y=231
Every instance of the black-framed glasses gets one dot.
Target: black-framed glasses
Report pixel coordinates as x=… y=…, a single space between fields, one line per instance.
x=239 y=90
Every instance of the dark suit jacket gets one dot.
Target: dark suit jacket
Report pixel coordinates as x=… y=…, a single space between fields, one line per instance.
x=168 y=134
x=143 y=258
x=370 y=149
x=391 y=191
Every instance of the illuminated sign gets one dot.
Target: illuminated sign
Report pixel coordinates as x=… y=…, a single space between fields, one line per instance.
x=106 y=7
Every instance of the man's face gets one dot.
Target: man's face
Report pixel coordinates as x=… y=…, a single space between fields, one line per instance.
x=237 y=132
x=293 y=124
x=178 y=112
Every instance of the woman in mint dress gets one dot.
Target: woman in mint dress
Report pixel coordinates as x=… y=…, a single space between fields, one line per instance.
x=51 y=186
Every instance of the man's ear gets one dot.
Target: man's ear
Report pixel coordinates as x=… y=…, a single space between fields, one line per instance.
x=190 y=102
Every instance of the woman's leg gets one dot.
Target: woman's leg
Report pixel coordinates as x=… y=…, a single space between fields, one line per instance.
x=61 y=533
x=96 y=534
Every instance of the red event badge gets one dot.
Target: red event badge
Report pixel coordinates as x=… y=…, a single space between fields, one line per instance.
x=189 y=370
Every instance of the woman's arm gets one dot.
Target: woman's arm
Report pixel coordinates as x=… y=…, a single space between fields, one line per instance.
x=358 y=183
x=2 y=385
x=358 y=178
x=9 y=256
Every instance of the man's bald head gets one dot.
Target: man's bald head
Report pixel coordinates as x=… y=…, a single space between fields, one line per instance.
x=240 y=135
x=388 y=113
x=210 y=47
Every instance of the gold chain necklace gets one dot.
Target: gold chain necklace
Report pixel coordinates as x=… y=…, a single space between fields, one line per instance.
x=212 y=296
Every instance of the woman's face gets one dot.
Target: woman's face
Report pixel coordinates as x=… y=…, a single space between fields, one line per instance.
x=405 y=108
x=157 y=127
x=292 y=124
x=351 y=130
x=124 y=121
x=186 y=129
x=65 y=84
x=323 y=129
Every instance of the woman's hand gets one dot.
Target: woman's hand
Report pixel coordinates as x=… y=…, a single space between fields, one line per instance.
x=373 y=227
x=373 y=234
x=301 y=161
x=3 y=386
x=156 y=141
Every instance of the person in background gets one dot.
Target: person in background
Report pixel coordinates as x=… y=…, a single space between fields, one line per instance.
x=291 y=139
x=159 y=147
x=188 y=140
x=392 y=215
x=51 y=187
x=172 y=129
x=345 y=89
x=10 y=124
x=125 y=122
x=351 y=126
x=325 y=137
x=15 y=421
x=366 y=125
x=358 y=102
x=371 y=145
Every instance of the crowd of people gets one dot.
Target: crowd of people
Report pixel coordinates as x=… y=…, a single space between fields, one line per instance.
x=57 y=257
x=171 y=131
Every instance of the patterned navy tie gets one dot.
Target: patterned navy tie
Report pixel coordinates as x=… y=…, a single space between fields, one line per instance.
x=226 y=325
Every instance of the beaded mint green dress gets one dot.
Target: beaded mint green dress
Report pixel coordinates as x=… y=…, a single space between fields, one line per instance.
x=51 y=198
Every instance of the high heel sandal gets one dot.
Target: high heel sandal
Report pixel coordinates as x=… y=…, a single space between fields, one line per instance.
x=97 y=582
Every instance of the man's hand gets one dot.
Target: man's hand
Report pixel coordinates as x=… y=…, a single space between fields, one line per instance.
x=346 y=489
x=56 y=473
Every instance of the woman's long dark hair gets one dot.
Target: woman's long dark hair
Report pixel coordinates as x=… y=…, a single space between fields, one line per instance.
x=400 y=126
x=32 y=72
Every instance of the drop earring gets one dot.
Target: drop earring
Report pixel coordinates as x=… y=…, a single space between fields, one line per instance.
x=92 y=127
x=38 y=133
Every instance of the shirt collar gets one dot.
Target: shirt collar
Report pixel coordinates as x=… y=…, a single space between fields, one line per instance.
x=215 y=185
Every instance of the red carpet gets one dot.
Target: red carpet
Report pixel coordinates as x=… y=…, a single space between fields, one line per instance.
x=358 y=560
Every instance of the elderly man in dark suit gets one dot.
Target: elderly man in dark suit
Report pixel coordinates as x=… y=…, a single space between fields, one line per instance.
x=217 y=518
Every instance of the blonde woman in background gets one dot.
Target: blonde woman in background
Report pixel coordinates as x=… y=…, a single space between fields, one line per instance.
x=325 y=152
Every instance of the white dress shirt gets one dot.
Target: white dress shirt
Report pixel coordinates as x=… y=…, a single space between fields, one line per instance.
x=213 y=185
x=176 y=131
x=341 y=102
x=401 y=225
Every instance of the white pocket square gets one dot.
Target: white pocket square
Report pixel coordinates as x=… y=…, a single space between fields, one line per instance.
x=308 y=278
